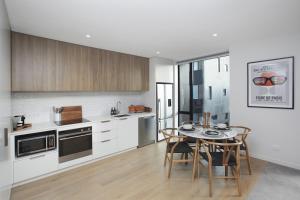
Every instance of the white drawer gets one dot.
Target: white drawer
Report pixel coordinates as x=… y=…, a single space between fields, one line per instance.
x=35 y=165
x=103 y=135
x=103 y=125
x=104 y=148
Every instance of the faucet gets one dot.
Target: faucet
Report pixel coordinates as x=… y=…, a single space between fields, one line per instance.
x=118 y=106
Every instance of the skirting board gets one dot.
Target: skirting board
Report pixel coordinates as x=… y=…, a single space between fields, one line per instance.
x=279 y=162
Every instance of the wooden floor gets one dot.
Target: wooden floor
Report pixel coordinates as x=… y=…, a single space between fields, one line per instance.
x=137 y=174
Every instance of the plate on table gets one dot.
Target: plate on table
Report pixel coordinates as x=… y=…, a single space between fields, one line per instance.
x=192 y=129
x=222 y=129
x=212 y=133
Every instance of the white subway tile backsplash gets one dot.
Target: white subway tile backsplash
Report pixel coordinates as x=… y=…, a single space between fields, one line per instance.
x=37 y=107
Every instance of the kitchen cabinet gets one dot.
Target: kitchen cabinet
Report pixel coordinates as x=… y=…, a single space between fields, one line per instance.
x=104 y=138
x=35 y=165
x=127 y=133
x=41 y=65
x=33 y=63
x=74 y=65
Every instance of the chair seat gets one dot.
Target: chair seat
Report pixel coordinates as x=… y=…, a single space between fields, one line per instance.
x=191 y=140
x=182 y=147
x=217 y=158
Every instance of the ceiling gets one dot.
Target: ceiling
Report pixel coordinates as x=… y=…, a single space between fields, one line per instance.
x=178 y=29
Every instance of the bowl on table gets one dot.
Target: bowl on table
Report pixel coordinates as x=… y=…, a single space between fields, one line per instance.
x=187 y=126
x=221 y=126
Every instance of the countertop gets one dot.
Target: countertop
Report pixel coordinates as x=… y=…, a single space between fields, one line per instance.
x=46 y=126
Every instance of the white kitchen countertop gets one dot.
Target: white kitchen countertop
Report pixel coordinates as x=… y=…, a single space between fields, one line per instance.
x=36 y=127
x=46 y=126
x=109 y=117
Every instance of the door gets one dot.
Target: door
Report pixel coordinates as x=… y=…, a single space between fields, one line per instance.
x=165 y=107
x=5 y=89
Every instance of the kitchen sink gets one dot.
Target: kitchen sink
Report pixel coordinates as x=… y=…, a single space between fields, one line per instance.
x=122 y=115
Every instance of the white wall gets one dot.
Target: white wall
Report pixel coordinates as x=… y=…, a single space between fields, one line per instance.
x=5 y=162
x=37 y=107
x=160 y=70
x=276 y=132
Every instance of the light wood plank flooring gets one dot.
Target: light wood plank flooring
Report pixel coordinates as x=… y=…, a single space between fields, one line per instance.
x=134 y=175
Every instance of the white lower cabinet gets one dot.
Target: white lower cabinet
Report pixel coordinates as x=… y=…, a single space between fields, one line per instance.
x=104 y=148
x=104 y=139
x=127 y=133
x=35 y=165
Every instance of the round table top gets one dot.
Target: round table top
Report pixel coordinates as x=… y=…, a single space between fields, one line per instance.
x=199 y=133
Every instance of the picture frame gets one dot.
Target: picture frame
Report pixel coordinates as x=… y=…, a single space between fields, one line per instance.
x=270 y=83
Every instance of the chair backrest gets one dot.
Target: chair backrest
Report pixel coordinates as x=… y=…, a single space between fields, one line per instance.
x=170 y=135
x=227 y=149
x=243 y=131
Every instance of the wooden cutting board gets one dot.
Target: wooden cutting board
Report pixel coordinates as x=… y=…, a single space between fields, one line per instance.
x=71 y=113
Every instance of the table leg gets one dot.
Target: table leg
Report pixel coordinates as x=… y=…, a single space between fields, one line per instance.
x=196 y=161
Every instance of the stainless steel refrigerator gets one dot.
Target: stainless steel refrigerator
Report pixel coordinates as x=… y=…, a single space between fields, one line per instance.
x=164 y=106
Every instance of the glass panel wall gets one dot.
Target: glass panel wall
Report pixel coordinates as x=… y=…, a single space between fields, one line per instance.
x=184 y=90
x=208 y=89
x=184 y=93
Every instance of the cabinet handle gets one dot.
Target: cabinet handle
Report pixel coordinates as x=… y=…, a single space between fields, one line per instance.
x=106 y=121
x=123 y=118
x=105 y=131
x=40 y=156
x=5 y=137
x=77 y=136
x=210 y=92
x=105 y=141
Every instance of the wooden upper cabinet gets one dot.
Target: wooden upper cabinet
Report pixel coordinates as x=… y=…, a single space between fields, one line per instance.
x=74 y=65
x=40 y=64
x=33 y=63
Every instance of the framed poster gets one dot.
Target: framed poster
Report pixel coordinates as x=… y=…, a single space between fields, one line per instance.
x=271 y=83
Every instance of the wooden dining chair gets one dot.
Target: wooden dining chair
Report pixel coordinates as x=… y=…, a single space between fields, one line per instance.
x=243 y=132
x=229 y=156
x=176 y=144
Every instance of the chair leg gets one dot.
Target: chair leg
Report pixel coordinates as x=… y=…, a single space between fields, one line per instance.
x=210 y=179
x=170 y=165
x=166 y=157
x=238 y=180
x=248 y=161
x=186 y=158
x=226 y=171
x=182 y=155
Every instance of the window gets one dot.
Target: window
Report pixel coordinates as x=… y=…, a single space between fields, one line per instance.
x=203 y=87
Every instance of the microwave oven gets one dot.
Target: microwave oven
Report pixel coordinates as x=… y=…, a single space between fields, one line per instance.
x=35 y=143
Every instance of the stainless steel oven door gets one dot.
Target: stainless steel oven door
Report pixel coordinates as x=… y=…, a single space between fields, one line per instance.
x=75 y=144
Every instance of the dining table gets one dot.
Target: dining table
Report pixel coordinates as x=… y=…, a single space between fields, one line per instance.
x=201 y=133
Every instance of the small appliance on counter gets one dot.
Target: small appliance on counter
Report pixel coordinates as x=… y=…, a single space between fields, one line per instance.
x=19 y=123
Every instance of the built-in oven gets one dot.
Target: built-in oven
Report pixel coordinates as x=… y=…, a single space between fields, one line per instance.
x=74 y=143
x=35 y=143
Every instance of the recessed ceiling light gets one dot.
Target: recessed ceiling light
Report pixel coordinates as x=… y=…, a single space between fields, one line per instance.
x=157 y=52
x=88 y=36
x=215 y=35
